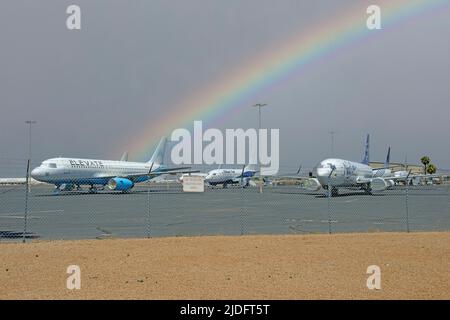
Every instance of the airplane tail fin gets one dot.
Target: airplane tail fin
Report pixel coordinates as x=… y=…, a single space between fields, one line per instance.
x=251 y=167
x=366 y=159
x=124 y=156
x=158 y=156
x=388 y=158
x=252 y=164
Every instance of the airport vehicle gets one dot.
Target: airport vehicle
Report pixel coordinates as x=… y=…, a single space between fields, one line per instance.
x=225 y=177
x=71 y=173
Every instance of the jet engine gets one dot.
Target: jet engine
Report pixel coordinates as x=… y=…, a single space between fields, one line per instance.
x=390 y=183
x=378 y=184
x=312 y=184
x=120 y=184
x=66 y=187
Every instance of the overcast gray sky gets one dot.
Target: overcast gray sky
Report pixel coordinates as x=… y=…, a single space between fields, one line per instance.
x=133 y=60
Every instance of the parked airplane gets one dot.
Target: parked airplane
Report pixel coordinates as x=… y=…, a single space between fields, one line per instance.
x=70 y=173
x=393 y=177
x=339 y=173
x=386 y=171
x=231 y=176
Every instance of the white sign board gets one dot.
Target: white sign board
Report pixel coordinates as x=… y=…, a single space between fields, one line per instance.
x=193 y=184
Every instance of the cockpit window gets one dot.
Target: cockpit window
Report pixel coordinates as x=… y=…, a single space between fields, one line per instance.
x=51 y=165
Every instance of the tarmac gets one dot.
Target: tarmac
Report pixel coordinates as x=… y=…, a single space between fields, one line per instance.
x=160 y=210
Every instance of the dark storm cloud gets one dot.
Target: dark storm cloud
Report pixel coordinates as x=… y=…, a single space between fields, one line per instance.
x=133 y=61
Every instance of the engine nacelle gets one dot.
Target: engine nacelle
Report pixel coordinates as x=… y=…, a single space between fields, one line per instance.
x=378 y=184
x=312 y=184
x=66 y=187
x=120 y=184
x=391 y=183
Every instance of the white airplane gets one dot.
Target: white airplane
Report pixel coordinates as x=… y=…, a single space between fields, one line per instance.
x=231 y=176
x=338 y=173
x=393 y=177
x=70 y=173
x=386 y=172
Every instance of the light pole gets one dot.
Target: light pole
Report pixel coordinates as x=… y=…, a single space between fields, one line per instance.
x=259 y=105
x=29 y=122
x=27 y=180
x=332 y=142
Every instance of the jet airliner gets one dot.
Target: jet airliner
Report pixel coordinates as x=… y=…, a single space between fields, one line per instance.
x=225 y=177
x=339 y=173
x=72 y=173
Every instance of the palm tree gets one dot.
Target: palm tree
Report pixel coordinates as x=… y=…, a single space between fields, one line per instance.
x=425 y=161
x=431 y=169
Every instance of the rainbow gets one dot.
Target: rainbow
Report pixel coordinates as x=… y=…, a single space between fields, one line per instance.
x=270 y=68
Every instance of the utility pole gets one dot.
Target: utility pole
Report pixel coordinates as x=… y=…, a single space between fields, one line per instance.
x=332 y=142
x=29 y=122
x=259 y=105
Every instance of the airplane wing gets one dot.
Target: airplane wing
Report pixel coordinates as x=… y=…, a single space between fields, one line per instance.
x=151 y=174
x=295 y=175
x=361 y=180
x=175 y=171
x=169 y=170
x=411 y=176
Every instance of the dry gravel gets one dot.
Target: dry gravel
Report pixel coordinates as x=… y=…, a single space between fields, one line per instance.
x=413 y=266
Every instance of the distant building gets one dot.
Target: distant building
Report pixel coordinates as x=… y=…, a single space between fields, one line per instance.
x=396 y=166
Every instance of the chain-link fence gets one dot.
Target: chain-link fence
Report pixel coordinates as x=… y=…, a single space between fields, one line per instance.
x=158 y=209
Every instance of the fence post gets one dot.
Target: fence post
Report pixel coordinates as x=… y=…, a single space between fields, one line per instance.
x=148 y=209
x=407 y=201
x=407 y=206
x=242 y=201
x=329 y=206
x=27 y=182
x=329 y=198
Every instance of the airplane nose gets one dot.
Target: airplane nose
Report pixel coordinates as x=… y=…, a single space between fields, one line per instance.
x=323 y=172
x=36 y=173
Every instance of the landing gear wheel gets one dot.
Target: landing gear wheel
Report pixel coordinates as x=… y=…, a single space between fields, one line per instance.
x=368 y=190
x=334 y=192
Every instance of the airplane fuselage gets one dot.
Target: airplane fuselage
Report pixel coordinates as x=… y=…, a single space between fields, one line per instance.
x=342 y=173
x=88 y=171
x=227 y=176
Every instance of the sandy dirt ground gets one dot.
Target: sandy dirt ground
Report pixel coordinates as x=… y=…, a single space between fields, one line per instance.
x=413 y=266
